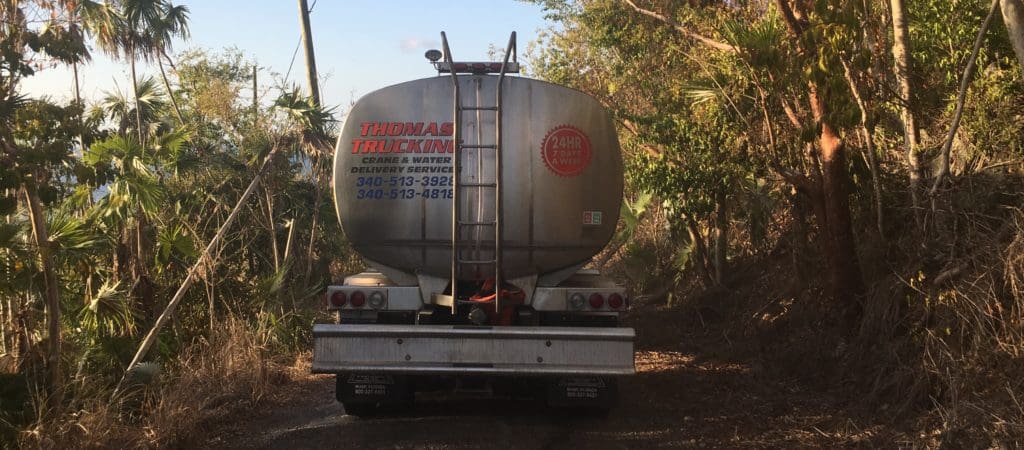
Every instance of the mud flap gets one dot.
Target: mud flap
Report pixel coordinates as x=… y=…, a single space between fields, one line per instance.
x=372 y=389
x=582 y=392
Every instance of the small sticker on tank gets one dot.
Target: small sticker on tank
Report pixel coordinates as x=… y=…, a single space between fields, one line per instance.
x=592 y=217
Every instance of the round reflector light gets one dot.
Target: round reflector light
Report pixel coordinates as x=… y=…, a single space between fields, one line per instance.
x=358 y=299
x=338 y=299
x=596 y=300
x=377 y=300
x=576 y=301
x=615 y=301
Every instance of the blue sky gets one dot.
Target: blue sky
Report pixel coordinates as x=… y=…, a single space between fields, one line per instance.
x=360 y=46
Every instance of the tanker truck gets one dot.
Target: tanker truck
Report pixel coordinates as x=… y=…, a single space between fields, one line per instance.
x=477 y=197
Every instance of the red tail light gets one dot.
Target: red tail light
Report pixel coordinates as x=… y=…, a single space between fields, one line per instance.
x=615 y=301
x=596 y=300
x=496 y=67
x=338 y=299
x=459 y=67
x=358 y=299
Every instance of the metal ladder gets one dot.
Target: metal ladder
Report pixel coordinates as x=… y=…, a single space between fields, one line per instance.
x=462 y=227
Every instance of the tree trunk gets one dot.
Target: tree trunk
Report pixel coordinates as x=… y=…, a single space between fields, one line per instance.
x=840 y=247
x=52 y=294
x=721 y=236
x=3 y=327
x=143 y=287
x=272 y=228
x=961 y=97
x=1013 y=17
x=829 y=192
x=135 y=93
x=204 y=258
x=316 y=217
x=700 y=259
x=170 y=94
x=869 y=142
x=911 y=134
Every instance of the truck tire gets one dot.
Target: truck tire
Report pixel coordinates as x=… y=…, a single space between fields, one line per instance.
x=360 y=409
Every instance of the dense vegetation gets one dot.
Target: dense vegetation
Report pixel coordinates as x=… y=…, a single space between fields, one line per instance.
x=106 y=208
x=863 y=157
x=838 y=180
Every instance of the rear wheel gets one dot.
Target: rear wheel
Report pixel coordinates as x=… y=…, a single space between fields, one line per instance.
x=360 y=409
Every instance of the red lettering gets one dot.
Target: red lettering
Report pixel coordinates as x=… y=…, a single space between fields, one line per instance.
x=446 y=129
x=431 y=129
x=356 y=143
x=413 y=129
x=414 y=146
x=380 y=129
x=364 y=128
x=370 y=147
x=395 y=129
x=435 y=146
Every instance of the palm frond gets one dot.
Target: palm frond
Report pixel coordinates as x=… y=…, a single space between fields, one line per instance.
x=699 y=93
x=109 y=312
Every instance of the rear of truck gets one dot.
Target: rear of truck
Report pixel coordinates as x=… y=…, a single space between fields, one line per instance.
x=477 y=198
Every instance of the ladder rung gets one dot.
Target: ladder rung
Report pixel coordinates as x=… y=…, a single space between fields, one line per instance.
x=477 y=261
x=479 y=108
x=477 y=224
x=478 y=146
x=478 y=185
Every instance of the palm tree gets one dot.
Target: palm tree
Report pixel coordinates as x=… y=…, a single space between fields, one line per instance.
x=149 y=104
x=133 y=29
x=173 y=23
x=312 y=130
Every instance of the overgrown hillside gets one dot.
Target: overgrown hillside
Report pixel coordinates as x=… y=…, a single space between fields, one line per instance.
x=831 y=190
x=837 y=184
x=107 y=208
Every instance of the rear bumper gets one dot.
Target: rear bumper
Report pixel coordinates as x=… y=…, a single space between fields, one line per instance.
x=448 y=349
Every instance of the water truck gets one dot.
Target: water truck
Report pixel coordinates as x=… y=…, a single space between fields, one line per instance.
x=477 y=197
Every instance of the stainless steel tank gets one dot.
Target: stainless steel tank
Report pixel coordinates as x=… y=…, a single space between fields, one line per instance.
x=561 y=187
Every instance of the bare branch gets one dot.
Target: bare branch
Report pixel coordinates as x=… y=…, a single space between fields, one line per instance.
x=651 y=150
x=795 y=25
x=683 y=30
x=961 y=96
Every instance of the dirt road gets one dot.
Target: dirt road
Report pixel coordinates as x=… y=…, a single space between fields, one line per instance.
x=682 y=396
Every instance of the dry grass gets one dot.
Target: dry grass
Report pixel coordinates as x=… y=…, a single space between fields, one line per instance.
x=939 y=353
x=947 y=336
x=972 y=330
x=232 y=370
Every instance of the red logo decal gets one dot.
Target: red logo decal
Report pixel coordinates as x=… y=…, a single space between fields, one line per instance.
x=566 y=151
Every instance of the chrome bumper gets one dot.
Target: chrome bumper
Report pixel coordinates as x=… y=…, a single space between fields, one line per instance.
x=448 y=349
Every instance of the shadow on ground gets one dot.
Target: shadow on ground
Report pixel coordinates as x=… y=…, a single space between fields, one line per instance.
x=685 y=394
